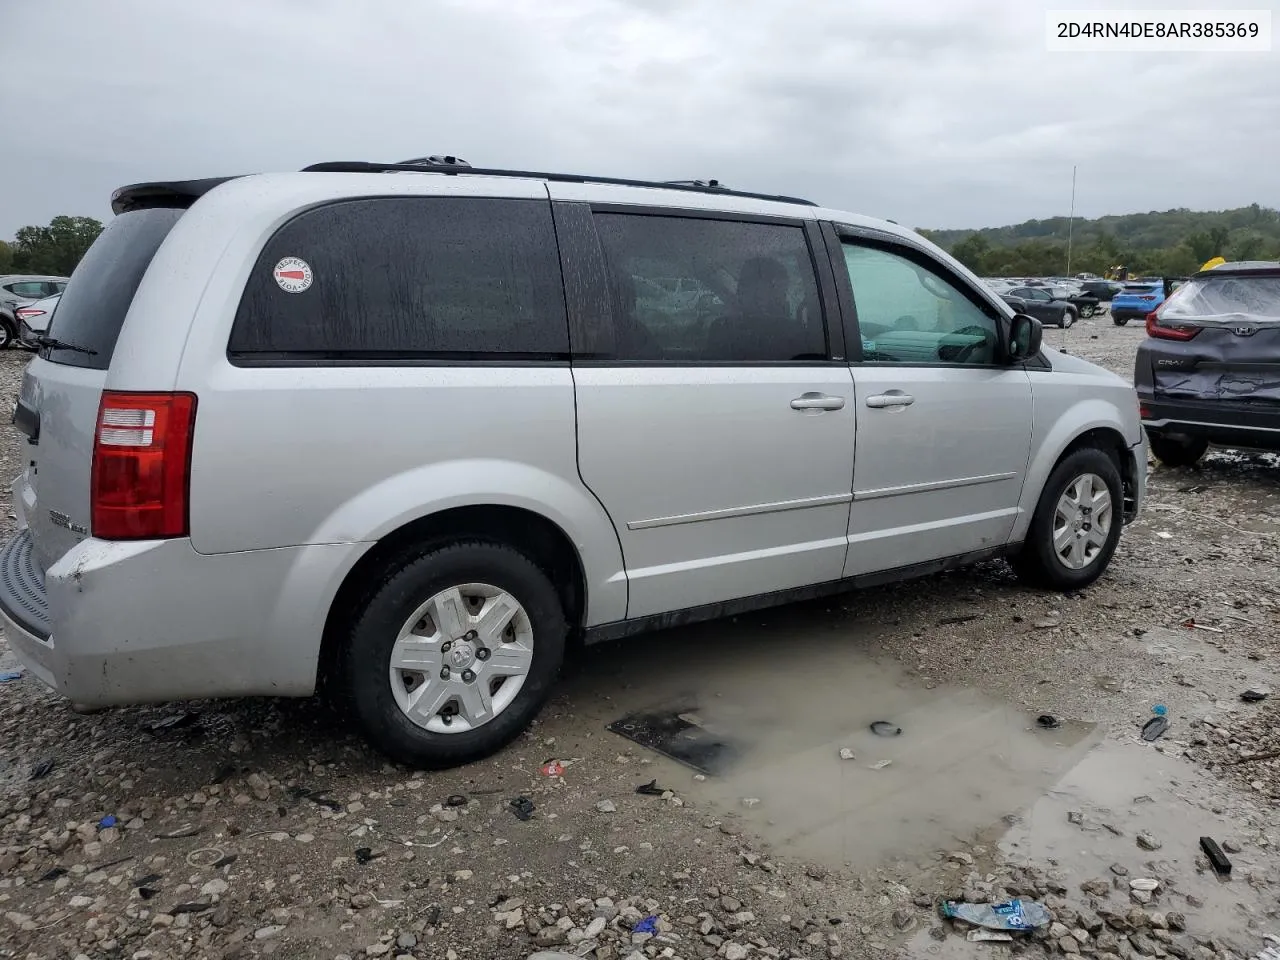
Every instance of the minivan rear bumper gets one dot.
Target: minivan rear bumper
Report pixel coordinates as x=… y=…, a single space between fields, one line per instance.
x=152 y=621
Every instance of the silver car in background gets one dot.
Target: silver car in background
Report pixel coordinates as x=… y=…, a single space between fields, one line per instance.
x=17 y=290
x=406 y=433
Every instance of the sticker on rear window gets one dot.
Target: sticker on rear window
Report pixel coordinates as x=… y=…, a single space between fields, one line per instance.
x=293 y=275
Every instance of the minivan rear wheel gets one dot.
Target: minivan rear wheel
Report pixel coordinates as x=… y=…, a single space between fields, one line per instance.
x=1077 y=523
x=1177 y=451
x=454 y=653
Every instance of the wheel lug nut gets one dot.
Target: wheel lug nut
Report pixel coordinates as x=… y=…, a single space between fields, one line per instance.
x=482 y=653
x=471 y=635
x=468 y=676
x=446 y=647
x=444 y=673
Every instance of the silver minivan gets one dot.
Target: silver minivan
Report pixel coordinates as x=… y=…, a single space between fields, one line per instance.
x=406 y=431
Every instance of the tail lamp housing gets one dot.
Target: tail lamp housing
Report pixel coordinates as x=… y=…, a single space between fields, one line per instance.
x=141 y=476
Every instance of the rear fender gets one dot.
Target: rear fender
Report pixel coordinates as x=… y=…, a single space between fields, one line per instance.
x=414 y=494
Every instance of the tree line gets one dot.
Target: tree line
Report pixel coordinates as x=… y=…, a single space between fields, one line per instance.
x=1165 y=243
x=53 y=250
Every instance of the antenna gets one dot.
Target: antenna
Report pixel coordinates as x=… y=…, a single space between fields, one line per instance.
x=1071 y=222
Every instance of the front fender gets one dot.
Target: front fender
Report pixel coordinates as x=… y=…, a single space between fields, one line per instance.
x=414 y=494
x=1052 y=440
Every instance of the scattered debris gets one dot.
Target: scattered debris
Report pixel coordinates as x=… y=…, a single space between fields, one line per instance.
x=198 y=906
x=455 y=800
x=883 y=728
x=174 y=721
x=1147 y=841
x=182 y=832
x=52 y=874
x=316 y=797
x=553 y=768
x=750 y=801
x=1154 y=728
x=1164 y=534
x=1021 y=915
x=847 y=754
x=1048 y=721
x=1146 y=884
x=1075 y=816
x=952 y=621
x=607 y=806
x=41 y=768
x=1159 y=709
x=207 y=857
x=10 y=675
x=879 y=764
x=1217 y=859
x=1193 y=625
x=988 y=936
x=647 y=925
x=521 y=807
x=366 y=855
x=650 y=789
x=1255 y=694
x=680 y=735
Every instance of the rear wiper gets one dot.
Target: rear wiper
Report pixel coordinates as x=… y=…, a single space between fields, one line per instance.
x=53 y=343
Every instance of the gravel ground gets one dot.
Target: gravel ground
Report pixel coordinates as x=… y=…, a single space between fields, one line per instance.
x=263 y=828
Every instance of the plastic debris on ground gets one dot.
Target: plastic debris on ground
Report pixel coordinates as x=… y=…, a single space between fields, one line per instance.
x=651 y=789
x=1255 y=695
x=883 y=728
x=847 y=754
x=455 y=800
x=1014 y=915
x=41 y=768
x=988 y=936
x=175 y=721
x=1218 y=859
x=315 y=796
x=1048 y=721
x=1154 y=728
x=107 y=822
x=1160 y=710
x=1193 y=625
x=553 y=768
x=1146 y=884
x=879 y=765
x=680 y=735
x=10 y=675
x=521 y=808
x=365 y=855
x=647 y=925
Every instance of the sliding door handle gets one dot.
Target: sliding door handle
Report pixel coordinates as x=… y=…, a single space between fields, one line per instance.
x=817 y=401
x=882 y=400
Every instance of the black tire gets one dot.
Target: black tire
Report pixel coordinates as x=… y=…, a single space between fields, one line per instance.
x=1119 y=321
x=1068 y=318
x=1177 y=451
x=1038 y=564
x=392 y=599
x=7 y=335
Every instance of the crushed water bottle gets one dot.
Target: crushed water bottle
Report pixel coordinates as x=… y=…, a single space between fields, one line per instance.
x=1010 y=915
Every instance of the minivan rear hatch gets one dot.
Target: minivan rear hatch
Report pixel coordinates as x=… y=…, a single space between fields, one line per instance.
x=1226 y=327
x=61 y=389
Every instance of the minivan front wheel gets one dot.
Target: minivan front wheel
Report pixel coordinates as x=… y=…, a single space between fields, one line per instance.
x=455 y=652
x=1077 y=523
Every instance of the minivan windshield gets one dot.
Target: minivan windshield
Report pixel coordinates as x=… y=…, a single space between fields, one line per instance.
x=93 y=306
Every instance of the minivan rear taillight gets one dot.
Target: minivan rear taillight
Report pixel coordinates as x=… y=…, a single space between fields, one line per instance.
x=141 y=465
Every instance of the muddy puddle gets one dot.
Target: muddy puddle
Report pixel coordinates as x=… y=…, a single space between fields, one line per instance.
x=786 y=692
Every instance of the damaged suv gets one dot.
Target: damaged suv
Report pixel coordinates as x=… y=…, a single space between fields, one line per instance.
x=409 y=430
x=1209 y=371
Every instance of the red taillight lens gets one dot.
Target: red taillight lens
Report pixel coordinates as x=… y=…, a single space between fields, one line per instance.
x=141 y=465
x=1168 y=331
x=26 y=313
x=1148 y=296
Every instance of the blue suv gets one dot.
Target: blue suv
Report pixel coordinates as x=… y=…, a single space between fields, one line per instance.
x=1136 y=300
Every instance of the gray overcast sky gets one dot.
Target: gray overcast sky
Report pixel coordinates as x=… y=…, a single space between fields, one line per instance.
x=929 y=112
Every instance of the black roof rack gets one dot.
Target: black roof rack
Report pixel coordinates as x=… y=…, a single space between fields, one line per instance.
x=183 y=193
x=692 y=186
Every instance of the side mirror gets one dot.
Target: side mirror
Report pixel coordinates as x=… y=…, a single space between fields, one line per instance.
x=1025 y=334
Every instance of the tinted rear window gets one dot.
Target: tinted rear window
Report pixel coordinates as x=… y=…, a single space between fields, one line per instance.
x=435 y=278
x=93 y=307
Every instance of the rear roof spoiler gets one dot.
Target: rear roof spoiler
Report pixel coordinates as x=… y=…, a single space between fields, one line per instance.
x=178 y=194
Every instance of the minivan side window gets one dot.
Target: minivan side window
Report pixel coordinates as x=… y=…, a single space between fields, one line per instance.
x=406 y=278
x=910 y=313
x=689 y=290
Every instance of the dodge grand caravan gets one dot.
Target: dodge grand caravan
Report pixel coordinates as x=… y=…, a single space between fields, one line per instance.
x=407 y=430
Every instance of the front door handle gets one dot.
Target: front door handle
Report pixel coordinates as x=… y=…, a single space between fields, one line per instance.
x=817 y=401
x=880 y=401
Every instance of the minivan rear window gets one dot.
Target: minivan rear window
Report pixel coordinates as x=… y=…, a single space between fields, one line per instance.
x=93 y=307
